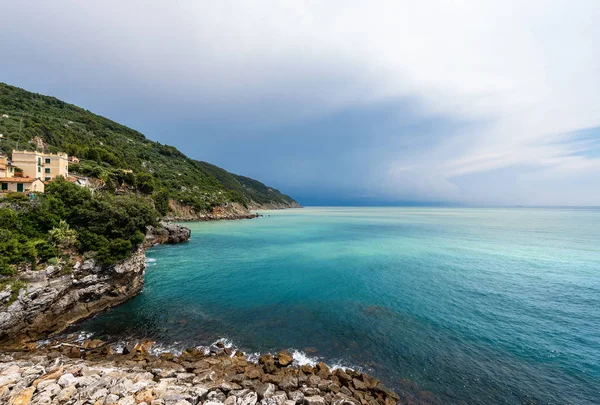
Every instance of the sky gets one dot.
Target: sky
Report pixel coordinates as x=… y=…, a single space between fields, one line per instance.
x=341 y=102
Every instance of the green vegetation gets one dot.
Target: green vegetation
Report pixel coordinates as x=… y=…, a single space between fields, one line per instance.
x=70 y=219
x=107 y=149
x=15 y=287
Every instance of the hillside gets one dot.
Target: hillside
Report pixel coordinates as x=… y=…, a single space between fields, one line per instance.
x=34 y=121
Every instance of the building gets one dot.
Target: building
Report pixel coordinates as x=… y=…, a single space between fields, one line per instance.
x=43 y=166
x=6 y=169
x=81 y=181
x=21 y=185
x=73 y=159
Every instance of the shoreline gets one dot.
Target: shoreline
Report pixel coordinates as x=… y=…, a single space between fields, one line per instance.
x=94 y=371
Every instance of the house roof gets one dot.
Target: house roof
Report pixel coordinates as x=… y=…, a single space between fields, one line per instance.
x=17 y=180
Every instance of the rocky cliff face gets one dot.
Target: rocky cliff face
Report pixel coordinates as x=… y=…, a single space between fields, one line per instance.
x=55 y=297
x=229 y=211
x=51 y=300
x=274 y=205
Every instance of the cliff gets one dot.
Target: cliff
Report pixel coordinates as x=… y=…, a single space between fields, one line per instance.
x=182 y=213
x=56 y=296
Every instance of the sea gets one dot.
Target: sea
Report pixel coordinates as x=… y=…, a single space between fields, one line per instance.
x=444 y=305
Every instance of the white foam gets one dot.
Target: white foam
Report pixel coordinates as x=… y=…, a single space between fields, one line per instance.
x=302 y=359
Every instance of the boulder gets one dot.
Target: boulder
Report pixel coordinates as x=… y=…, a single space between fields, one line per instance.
x=315 y=400
x=265 y=390
x=249 y=399
x=289 y=383
x=284 y=358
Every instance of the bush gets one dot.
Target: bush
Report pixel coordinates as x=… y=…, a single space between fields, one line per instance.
x=70 y=218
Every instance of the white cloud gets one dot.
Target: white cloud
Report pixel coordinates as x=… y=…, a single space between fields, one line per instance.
x=529 y=70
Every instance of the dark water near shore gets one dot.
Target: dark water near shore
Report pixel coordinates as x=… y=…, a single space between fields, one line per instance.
x=483 y=306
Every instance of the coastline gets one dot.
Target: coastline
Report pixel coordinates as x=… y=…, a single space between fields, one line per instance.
x=58 y=371
x=51 y=299
x=100 y=373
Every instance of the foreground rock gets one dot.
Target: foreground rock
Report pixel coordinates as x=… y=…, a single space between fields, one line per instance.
x=71 y=374
x=167 y=233
x=50 y=299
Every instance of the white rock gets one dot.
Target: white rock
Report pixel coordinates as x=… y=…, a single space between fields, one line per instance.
x=248 y=399
x=66 y=379
x=130 y=400
x=51 y=389
x=314 y=400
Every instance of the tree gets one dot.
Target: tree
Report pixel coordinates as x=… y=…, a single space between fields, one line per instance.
x=63 y=237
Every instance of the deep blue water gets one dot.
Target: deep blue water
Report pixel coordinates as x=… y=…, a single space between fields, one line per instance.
x=483 y=306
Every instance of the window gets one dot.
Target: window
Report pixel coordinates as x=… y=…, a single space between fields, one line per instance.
x=39 y=161
x=20 y=187
x=4 y=186
x=47 y=170
x=47 y=160
x=47 y=178
x=39 y=169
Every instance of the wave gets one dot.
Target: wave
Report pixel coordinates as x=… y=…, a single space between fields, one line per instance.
x=177 y=348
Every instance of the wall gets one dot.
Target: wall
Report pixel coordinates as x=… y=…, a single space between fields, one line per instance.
x=28 y=162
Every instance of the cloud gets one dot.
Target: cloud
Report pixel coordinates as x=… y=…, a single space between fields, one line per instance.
x=440 y=95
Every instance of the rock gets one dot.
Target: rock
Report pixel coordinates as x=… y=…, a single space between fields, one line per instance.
x=143 y=347
x=205 y=376
x=51 y=389
x=23 y=397
x=248 y=399
x=253 y=373
x=314 y=400
x=359 y=385
x=66 y=393
x=185 y=377
x=265 y=390
x=313 y=380
x=386 y=391
x=284 y=358
x=146 y=395
x=66 y=379
x=231 y=400
x=229 y=386
x=49 y=303
x=310 y=391
x=268 y=363
x=279 y=399
x=239 y=393
x=216 y=395
x=288 y=383
x=213 y=402
x=101 y=393
x=111 y=399
x=344 y=378
x=296 y=396
x=323 y=370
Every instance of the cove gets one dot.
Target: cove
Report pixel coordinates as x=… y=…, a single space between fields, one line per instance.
x=470 y=304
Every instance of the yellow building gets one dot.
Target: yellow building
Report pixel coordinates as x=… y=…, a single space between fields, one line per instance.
x=43 y=166
x=6 y=170
x=21 y=185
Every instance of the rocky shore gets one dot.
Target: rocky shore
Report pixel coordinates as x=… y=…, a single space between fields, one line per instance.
x=92 y=372
x=231 y=211
x=48 y=300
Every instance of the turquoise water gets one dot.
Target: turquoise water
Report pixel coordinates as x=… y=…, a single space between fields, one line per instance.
x=477 y=305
